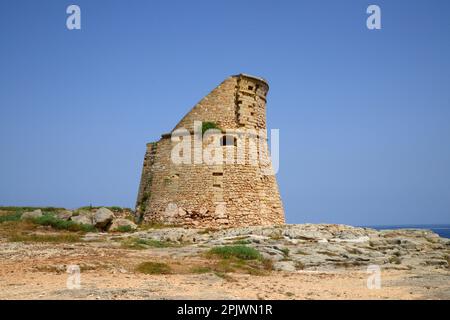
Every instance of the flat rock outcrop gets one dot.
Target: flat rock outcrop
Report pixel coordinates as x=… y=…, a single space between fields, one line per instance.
x=318 y=246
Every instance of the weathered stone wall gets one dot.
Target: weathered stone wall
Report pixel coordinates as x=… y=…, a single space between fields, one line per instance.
x=213 y=196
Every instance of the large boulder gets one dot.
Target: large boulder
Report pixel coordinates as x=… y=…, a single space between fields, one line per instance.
x=82 y=219
x=103 y=217
x=31 y=215
x=64 y=215
x=117 y=224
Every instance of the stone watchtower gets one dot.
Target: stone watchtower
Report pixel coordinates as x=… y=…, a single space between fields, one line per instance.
x=194 y=192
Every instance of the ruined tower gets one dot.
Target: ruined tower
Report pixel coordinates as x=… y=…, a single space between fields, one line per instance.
x=237 y=191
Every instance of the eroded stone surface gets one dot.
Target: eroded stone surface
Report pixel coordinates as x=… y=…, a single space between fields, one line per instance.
x=303 y=245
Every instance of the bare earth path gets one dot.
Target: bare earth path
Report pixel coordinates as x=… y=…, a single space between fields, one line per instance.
x=38 y=271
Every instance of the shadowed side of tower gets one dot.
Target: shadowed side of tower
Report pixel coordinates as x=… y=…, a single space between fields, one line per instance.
x=234 y=192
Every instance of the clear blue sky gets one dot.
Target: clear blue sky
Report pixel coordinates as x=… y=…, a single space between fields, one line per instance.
x=364 y=116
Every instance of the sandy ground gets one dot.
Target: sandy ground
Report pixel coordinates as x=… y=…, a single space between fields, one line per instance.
x=38 y=271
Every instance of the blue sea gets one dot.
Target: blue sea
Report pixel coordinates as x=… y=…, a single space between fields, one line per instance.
x=442 y=230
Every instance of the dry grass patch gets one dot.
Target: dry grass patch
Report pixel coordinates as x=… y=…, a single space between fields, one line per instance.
x=151 y=267
x=26 y=209
x=238 y=259
x=207 y=264
x=53 y=238
x=25 y=231
x=201 y=269
x=12 y=228
x=7 y=216
x=59 y=224
x=241 y=252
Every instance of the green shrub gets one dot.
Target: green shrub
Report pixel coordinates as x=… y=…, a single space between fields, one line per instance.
x=88 y=208
x=237 y=251
x=112 y=208
x=115 y=209
x=154 y=268
x=124 y=229
x=44 y=209
x=209 y=125
x=143 y=203
x=285 y=251
x=11 y=217
x=54 y=222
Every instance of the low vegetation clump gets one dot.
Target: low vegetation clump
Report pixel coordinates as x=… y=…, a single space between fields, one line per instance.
x=276 y=237
x=154 y=268
x=60 y=238
x=395 y=260
x=13 y=228
x=112 y=208
x=233 y=265
x=238 y=258
x=213 y=270
x=285 y=252
x=124 y=229
x=209 y=125
x=220 y=267
x=59 y=224
x=15 y=216
x=143 y=203
x=237 y=251
x=299 y=265
x=25 y=209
